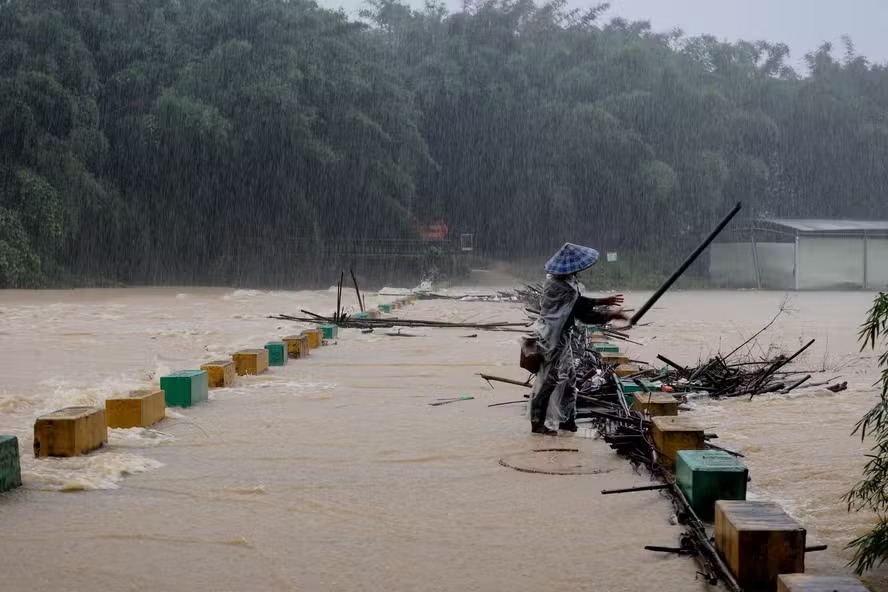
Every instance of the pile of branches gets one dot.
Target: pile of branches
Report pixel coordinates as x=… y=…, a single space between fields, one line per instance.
x=719 y=376
x=347 y=322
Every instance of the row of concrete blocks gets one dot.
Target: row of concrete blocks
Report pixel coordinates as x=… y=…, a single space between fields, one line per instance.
x=761 y=544
x=389 y=307
x=78 y=430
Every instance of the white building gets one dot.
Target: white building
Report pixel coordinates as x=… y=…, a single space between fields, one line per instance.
x=803 y=254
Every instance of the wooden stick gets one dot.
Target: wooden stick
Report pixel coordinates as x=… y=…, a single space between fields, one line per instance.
x=357 y=290
x=489 y=378
x=795 y=384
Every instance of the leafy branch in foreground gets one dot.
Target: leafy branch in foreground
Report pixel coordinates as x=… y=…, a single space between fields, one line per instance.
x=871 y=492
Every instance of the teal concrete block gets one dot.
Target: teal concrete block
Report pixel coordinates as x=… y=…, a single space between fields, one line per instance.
x=10 y=467
x=361 y=315
x=185 y=388
x=706 y=476
x=629 y=386
x=330 y=331
x=606 y=348
x=277 y=353
x=385 y=308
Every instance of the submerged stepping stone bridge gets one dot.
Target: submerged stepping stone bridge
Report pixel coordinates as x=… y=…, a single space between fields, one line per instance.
x=671 y=434
x=10 y=465
x=329 y=331
x=70 y=431
x=138 y=409
x=606 y=348
x=185 y=387
x=297 y=346
x=220 y=373
x=277 y=353
x=807 y=583
x=314 y=337
x=655 y=404
x=251 y=361
x=758 y=541
x=705 y=476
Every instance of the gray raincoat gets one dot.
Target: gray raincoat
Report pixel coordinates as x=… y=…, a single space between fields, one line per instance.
x=553 y=399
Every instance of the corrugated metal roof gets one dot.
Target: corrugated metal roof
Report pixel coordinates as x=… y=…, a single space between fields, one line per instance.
x=823 y=225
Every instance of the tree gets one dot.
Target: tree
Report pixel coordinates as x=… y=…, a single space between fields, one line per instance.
x=871 y=493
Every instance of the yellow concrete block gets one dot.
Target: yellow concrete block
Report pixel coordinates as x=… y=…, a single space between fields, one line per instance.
x=250 y=361
x=610 y=359
x=220 y=373
x=656 y=404
x=70 y=431
x=314 y=338
x=758 y=541
x=806 y=583
x=671 y=434
x=297 y=345
x=138 y=409
x=624 y=370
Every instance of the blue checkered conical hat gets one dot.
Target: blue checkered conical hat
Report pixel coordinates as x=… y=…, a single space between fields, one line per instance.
x=571 y=259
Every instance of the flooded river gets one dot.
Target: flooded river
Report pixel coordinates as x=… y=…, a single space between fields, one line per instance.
x=335 y=473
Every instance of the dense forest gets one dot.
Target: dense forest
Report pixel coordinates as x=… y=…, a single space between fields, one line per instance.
x=226 y=141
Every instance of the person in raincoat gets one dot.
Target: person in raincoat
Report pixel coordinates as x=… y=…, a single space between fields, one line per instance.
x=553 y=399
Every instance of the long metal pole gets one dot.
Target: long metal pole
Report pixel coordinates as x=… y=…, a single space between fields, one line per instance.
x=681 y=269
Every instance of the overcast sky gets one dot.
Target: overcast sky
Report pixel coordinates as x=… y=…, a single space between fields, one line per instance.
x=801 y=24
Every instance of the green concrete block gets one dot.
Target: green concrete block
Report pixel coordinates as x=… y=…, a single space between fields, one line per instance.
x=629 y=386
x=277 y=353
x=606 y=348
x=10 y=468
x=385 y=308
x=330 y=331
x=706 y=476
x=361 y=315
x=184 y=388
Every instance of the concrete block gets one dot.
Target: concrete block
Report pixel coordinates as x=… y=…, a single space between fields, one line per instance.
x=612 y=359
x=758 y=542
x=656 y=404
x=386 y=308
x=250 y=361
x=220 y=373
x=624 y=370
x=10 y=463
x=314 y=338
x=185 y=387
x=806 y=583
x=277 y=353
x=297 y=346
x=70 y=431
x=329 y=331
x=706 y=476
x=671 y=434
x=138 y=409
x=606 y=347
x=629 y=386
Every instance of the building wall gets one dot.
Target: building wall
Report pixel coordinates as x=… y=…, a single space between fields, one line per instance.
x=732 y=265
x=877 y=263
x=830 y=263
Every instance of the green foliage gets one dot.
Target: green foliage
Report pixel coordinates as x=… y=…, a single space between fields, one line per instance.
x=19 y=265
x=872 y=491
x=166 y=141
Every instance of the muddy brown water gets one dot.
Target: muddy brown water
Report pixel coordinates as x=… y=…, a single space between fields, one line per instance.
x=334 y=473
